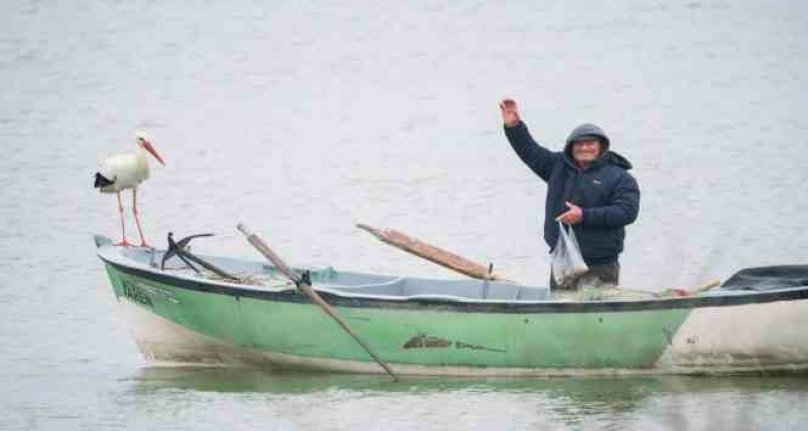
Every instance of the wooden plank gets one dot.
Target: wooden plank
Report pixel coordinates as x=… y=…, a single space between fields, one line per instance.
x=432 y=253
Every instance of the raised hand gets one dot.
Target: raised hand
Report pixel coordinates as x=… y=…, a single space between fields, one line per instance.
x=510 y=114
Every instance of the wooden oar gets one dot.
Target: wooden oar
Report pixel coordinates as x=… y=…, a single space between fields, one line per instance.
x=434 y=254
x=712 y=284
x=304 y=285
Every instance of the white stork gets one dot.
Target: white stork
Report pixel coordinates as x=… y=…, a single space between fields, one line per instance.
x=127 y=171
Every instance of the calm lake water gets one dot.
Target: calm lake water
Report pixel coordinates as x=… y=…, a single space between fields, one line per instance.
x=304 y=119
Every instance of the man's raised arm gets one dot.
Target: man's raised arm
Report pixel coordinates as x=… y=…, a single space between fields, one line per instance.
x=539 y=159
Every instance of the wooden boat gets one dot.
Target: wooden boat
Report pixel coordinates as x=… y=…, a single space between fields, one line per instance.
x=447 y=327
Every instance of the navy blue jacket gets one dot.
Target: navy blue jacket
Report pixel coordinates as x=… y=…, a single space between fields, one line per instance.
x=606 y=192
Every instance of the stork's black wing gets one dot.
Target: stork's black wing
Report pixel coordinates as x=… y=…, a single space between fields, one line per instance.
x=101 y=181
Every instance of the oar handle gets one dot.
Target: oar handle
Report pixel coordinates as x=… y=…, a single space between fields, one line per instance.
x=268 y=253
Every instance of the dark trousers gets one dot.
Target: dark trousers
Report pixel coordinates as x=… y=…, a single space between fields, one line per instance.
x=607 y=274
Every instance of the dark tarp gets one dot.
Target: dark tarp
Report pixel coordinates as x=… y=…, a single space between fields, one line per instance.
x=768 y=278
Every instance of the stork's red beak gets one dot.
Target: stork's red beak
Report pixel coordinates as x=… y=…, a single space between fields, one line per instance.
x=148 y=146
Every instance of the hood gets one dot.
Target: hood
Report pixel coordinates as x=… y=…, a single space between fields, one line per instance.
x=615 y=159
x=584 y=130
x=608 y=156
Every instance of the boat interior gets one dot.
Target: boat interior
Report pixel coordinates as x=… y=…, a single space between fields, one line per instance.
x=263 y=276
x=260 y=275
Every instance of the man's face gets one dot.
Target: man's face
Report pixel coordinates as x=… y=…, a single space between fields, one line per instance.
x=586 y=151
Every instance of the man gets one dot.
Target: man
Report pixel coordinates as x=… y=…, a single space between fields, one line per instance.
x=588 y=188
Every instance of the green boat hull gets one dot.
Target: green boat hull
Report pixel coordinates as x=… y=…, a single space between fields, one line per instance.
x=423 y=337
x=446 y=327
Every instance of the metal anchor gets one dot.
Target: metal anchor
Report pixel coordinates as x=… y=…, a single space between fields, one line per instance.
x=180 y=249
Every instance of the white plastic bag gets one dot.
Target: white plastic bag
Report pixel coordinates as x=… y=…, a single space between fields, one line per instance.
x=566 y=260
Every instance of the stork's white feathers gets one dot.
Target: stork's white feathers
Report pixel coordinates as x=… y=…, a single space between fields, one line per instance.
x=125 y=171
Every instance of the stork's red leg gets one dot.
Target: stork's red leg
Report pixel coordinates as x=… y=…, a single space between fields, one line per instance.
x=123 y=242
x=137 y=218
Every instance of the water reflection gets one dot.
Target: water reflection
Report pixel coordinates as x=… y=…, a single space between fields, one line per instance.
x=648 y=402
x=603 y=393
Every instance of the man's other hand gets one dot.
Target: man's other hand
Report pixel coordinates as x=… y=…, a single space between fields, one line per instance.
x=510 y=114
x=573 y=216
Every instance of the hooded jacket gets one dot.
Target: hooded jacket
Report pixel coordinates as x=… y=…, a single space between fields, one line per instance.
x=607 y=194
